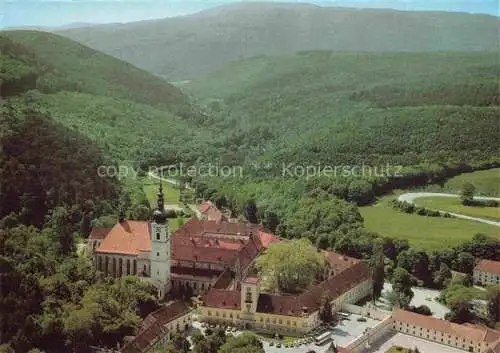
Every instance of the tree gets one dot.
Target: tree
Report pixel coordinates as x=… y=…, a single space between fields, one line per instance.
x=467 y=192
x=443 y=276
x=250 y=212
x=422 y=310
x=61 y=223
x=291 y=266
x=493 y=297
x=401 y=284
x=415 y=262
x=270 y=221
x=141 y=213
x=464 y=262
x=325 y=309
x=377 y=268
x=244 y=343
x=361 y=192
x=180 y=343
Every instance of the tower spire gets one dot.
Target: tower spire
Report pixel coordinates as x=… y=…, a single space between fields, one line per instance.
x=160 y=201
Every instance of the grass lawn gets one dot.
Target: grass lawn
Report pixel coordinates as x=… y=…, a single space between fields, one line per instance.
x=487 y=182
x=176 y=223
x=452 y=204
x=151 y=190
x=426 y=233
x=397 y=349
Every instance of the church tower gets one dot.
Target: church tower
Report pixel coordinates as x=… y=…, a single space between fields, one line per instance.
x=160 y=248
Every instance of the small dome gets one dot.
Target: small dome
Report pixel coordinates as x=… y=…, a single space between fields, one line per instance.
x=159 y=216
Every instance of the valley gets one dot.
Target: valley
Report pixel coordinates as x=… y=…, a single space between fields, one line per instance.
x=287 y=129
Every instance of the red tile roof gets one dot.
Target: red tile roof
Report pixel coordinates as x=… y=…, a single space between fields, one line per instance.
x=475 y=333
x=198 y=227
x=267 y=238
x=186 y=272
x=127 y=237
x=294 y=305
x=214 y=214
x=205 y=206
x=338 y=262
x=342 y=350
x=251 y=280
x=224 y=279
x=489 y=266
x=165 y=314
x=152 y=328
x=99 y=233
x=223 y=299
x=186 y=251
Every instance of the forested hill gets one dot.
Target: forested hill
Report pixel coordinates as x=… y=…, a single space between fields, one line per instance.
x=182 y=48
x=53 y=98
x=131 y=114
x=331 y=108
x=65 y=65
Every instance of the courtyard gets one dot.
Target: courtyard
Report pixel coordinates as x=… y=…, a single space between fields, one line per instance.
x=422 y=296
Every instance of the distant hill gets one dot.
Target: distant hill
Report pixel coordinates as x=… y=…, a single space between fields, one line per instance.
x=185 y=47
x=347 y=108
x=71 y=66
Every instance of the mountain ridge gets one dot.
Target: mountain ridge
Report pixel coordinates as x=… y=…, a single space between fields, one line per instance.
x=181 y=48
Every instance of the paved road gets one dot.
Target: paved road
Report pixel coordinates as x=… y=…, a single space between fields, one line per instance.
x=410 y=198
x=168 y=180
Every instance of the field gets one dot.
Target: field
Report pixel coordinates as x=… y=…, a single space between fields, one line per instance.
x=426 y=233
x=151 y=190
x=487 y=182
x=454 y=205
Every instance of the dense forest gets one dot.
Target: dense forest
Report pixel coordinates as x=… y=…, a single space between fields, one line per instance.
x=433 y=115
x=51 y=298
x=425 y=117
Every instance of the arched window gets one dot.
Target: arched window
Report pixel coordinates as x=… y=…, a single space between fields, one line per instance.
x=120 y=267
x=128 y=267
x=99 y=263
x=135 y=267
x=114 y=267
x=106 y=265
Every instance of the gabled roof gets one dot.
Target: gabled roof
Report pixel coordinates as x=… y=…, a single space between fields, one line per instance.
x=267 y=238
x=223 y=299
x=99 y=233
x=489 y=266
x=205 y=206
x=127 y=238
x=475 y=333
x=308 y=301
x=153 y=329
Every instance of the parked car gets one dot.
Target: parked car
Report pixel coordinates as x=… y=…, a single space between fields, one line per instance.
x=361 y=319
x=278 y=345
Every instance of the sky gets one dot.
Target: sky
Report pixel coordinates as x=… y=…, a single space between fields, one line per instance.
x=54 y=13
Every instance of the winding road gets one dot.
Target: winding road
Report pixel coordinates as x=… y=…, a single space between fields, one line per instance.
x=411 y=196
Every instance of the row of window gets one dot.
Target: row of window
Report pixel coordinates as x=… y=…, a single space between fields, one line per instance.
x=116 y=268
x=261 y=319
x=426 y=333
